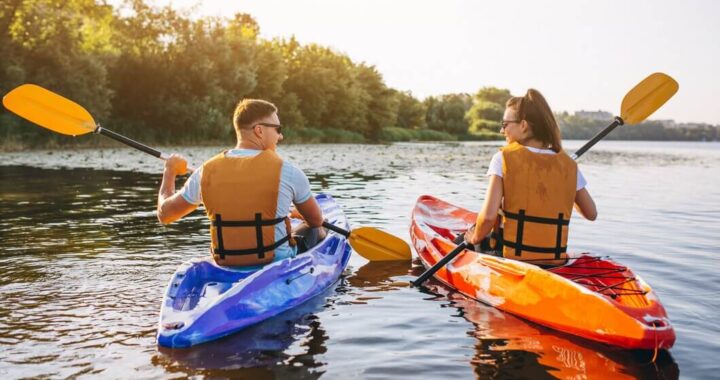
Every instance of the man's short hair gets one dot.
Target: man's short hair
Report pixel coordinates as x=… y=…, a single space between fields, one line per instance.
x=249 y=111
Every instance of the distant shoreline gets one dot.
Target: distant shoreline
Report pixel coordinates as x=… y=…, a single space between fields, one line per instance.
x=104 y=143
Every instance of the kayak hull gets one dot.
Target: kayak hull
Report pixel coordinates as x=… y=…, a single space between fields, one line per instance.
x=591 y=297
x=204 y=301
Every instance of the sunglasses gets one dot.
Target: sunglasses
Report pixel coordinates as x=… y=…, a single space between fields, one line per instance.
x=505 y=123
x=277 y=127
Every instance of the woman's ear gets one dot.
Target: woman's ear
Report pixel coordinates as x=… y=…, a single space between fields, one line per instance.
x=524 y=127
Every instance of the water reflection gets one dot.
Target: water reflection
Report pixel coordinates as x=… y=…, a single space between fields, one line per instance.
x=509 y=347
x=379 y=276
x=284 y=346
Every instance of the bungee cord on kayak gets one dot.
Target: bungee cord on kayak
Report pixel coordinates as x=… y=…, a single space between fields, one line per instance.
x=599 y=277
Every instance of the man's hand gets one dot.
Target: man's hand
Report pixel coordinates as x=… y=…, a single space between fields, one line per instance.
x=171 y=206
x=295 y=214
x=176 y=165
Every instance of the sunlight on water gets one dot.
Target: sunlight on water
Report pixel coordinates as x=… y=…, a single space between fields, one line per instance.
x=84 y=264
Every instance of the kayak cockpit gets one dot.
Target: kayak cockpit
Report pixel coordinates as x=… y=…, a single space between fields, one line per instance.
x=204 y=280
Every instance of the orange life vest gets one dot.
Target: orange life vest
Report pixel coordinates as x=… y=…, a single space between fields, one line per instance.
x=240 y=195
x=538 y=197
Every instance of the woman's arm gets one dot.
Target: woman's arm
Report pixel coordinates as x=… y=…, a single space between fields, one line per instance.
x=585 y=205
x=489 y=213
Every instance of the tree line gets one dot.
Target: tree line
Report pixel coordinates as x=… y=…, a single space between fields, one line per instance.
x=167 y=77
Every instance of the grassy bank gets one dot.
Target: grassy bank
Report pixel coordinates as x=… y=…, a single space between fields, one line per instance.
x=34 y=137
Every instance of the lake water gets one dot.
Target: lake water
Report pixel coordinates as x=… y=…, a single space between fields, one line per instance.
x=84 y=264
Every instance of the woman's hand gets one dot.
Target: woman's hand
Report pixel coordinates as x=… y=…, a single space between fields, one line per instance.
x=470 y=236
x=176 y=165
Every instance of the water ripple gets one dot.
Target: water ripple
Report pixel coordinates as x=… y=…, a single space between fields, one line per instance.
x=84 y=263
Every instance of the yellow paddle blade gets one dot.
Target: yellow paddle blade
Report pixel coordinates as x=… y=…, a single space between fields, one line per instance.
x=49 y=110
x=646 y=97
x=377 y=245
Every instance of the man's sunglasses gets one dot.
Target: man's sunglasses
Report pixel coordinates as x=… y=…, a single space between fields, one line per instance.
x=278 y=127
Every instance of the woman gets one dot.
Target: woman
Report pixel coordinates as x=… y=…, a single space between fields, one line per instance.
x=536 y=183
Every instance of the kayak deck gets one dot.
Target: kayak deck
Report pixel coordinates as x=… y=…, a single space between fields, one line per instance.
x=204 y=301
x=592 y=297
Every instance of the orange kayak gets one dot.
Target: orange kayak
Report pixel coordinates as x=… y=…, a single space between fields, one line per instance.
x=591 y=297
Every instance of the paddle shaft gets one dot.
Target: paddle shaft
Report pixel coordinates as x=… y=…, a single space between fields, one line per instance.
x=428 y=273
x=336 y=229
x=118 y=137
x=618 y=121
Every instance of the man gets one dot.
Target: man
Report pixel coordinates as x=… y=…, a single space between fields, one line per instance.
x=247 y=192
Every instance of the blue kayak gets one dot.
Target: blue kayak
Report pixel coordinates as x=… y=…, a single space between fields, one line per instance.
x=204 y=301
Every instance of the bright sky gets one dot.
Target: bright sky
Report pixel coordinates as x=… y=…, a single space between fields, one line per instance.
x=581 y=54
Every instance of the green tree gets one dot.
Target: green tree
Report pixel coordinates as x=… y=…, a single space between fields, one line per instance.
x=380 y=106
x=446 y=113
x=487 y=110
x=410 y=111
x=63 y=46
x=325 y=85
x=186 y=74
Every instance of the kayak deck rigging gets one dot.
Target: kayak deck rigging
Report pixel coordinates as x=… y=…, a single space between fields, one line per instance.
x=596 y=273
x=601 y=275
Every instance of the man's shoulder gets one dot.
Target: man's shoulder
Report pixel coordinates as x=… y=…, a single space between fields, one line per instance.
x=291 y=167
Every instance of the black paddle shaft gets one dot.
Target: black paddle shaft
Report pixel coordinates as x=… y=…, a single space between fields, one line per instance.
x=127 y=141
x=618 y=121
x=428 y=273
x=336 y=229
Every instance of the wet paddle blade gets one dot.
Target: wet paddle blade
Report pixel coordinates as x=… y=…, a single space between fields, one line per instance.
x=377 y=245
x=646 y=97
x=49 y=110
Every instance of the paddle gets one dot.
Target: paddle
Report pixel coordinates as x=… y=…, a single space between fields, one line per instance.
x=639 y=103
x=59 y=114
x=374 y=244
x=644 y=99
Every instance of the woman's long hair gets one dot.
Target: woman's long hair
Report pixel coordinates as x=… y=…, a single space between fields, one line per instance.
x=537 y=113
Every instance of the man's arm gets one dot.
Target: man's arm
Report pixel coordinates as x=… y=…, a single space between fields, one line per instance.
x=311 y=212
x=172 y=206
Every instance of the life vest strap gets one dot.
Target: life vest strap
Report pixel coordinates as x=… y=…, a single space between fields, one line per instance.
x=521 y=218
x=218 y=222
x=252 y=251
x=534 y=219
x=258 y=224
x=531 y=248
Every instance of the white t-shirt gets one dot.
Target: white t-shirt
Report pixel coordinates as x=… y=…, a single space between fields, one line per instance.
x=496 y=164
x=294 y=188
